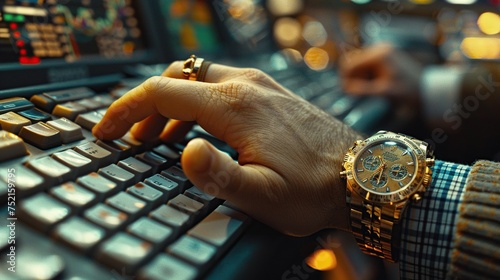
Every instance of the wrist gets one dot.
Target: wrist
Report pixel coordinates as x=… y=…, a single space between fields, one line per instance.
x=339 y=212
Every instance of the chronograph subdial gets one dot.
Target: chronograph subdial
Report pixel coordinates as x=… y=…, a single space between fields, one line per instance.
x=398 y=172
x=378 y=180
x=371 y=162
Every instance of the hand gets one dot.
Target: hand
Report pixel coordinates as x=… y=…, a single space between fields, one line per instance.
x=380 y=169
x=382 y=70
x=290 y=152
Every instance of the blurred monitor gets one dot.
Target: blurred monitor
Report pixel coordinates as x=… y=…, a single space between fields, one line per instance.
x=47 y=41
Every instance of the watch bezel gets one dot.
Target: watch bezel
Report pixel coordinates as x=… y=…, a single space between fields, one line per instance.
x=417 y=148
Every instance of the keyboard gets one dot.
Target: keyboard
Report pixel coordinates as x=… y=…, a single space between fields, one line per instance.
x=124 y=206
x=123 y=203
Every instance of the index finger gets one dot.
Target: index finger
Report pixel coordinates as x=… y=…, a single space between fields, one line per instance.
x=361 y=62
x=173 y=97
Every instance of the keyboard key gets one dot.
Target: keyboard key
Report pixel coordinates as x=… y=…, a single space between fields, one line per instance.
x=79 y=234
x=153 y=196
x=13 y=122
x=163 y=184
x=209 y=200
x=119 y=92
x=101 y=186
x=123 y=251
x=14 y=104
x=89 y=120
x=70 y=131
x=167 y=152
x=43 y=102
x=11 y=146
x=41 y=136
x=26 y=181
x=157 y=162
x=137 y=167
x=151 y=231
x=42 y=211
x=89 y=104
x=79 y=164
x=35 y=115
x=53 y=171
x=193 y=250
x=367 y=113
x=176 y=174
x=342 y=106
x=127 y=203
x=105 y=100
x=135 y=145
x=186 y=204
x=168 y=267
x=118 y=148
x=220 y=227
x=69 y=110
x=74 y=195
x=61 y=96
x=171 y=217
x=36 y=263
x=120 y=176
x=90 y=150
x=105 y=216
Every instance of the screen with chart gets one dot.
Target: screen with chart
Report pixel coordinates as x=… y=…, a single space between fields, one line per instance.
x=39 y=31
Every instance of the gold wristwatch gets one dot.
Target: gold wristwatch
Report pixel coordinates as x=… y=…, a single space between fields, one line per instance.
x=384 y=173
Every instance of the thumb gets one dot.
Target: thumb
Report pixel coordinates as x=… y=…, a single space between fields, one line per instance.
x=216 y=173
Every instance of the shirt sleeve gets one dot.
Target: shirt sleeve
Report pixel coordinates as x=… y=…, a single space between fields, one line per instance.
x=428 y=227
x=476 y=253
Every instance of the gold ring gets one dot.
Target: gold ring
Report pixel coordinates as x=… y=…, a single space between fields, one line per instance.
x=195 y=68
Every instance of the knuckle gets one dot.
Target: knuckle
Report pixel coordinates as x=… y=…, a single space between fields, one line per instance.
x=255 y=75
x=154 y=84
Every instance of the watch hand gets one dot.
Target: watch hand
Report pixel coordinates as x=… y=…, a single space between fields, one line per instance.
x=382 y=167
x=380 y=174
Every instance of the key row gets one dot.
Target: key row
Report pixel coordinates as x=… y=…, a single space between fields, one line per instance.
x=39 y=173
x=125 y=211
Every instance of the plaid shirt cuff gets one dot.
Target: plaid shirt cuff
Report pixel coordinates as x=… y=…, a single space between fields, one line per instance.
x=427 y=227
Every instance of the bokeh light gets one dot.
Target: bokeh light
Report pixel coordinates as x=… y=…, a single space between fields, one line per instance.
x=316 y=58
x=285 y=7
x=481 y=47
x=287 y=31
x=461 y=2
x=489 y=23
x=322 y=260
x=422 y=2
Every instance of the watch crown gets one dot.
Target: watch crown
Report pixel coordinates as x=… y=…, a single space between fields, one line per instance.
x=416 y=197
x=343 y=174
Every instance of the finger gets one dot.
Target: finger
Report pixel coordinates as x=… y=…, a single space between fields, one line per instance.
x=175 y=131
x=364 y=62
x=365 y=87
x=172 y=98
x=149 y=128
x=216 y=73
x=217 y=174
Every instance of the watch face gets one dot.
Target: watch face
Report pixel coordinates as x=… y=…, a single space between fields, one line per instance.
x=385 y=167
